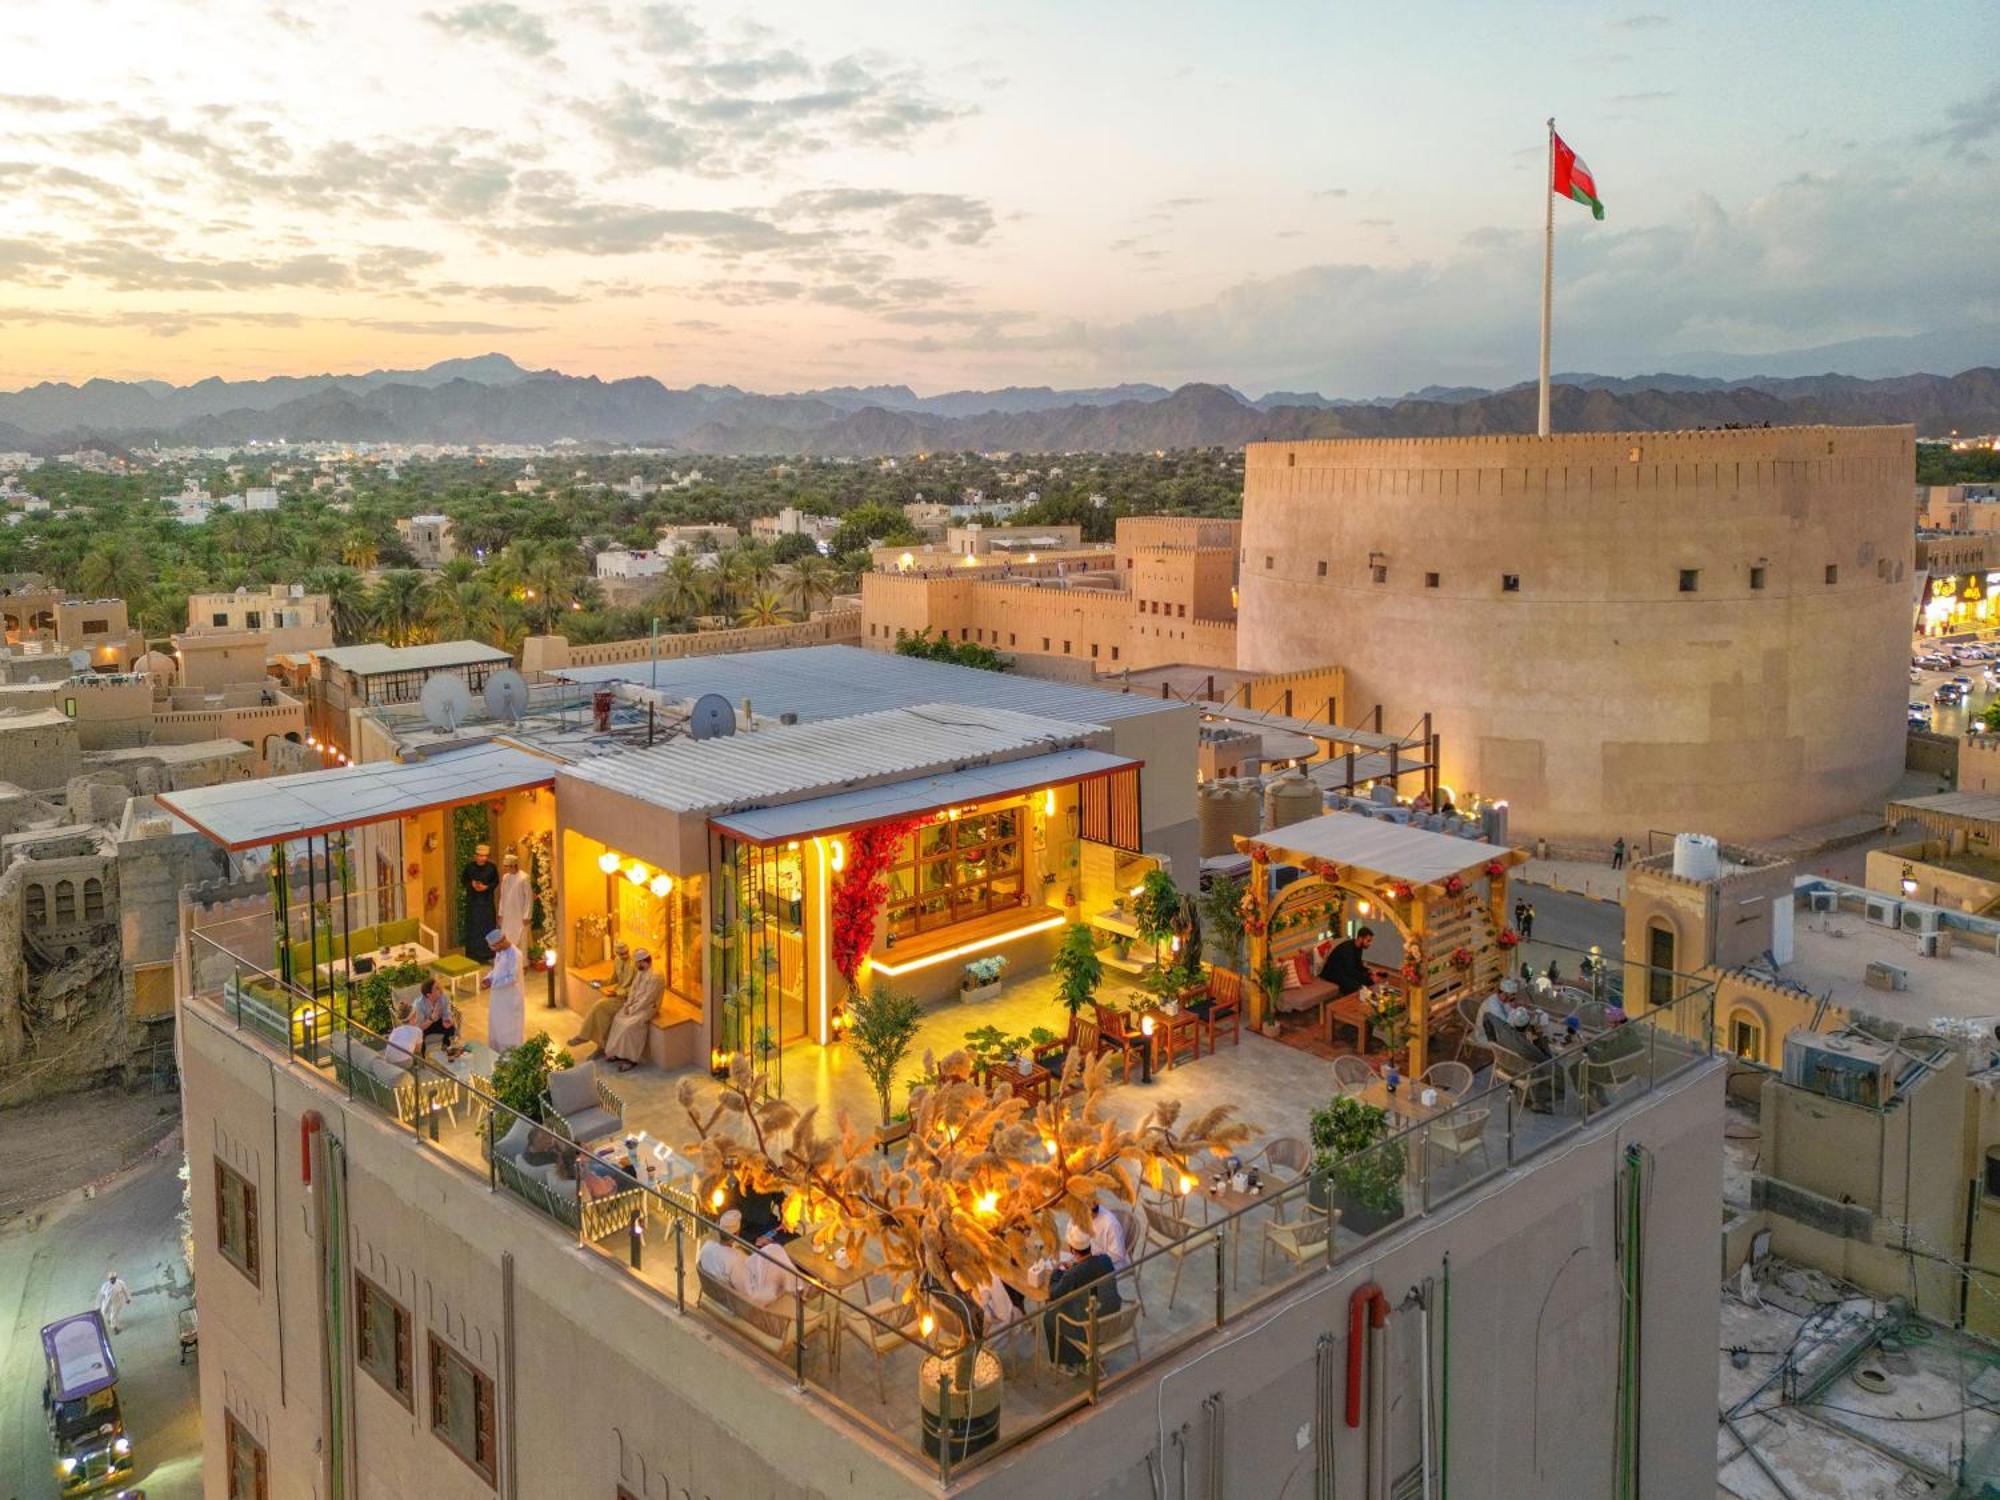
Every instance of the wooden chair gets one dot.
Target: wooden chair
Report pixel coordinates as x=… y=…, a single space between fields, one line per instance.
x=1225 y=1006
x=1351 y=1073
x=1088 y=1039
x=1178 y=1238
x=1300 y=1240
x=1114 y=1036
x=1453 y=1078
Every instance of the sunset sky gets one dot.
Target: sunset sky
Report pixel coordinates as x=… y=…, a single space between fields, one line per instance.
x=1327 y=196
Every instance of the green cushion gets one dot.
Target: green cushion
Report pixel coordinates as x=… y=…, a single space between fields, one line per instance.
x=455 y=965
x=395 y=934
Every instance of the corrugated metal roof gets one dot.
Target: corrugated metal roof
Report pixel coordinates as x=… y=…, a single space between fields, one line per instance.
x=795 y=820
x=1391 y=850
x=832 y=682
x=791 y=762
x=373 y=660
x=249 y=814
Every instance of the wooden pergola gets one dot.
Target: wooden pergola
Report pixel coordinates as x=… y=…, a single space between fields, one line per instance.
x=1446 y=896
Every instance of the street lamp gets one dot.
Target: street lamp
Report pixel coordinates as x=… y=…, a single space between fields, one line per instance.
x=549 y=965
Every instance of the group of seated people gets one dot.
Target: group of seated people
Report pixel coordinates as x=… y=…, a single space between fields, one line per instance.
x=762 y=1274
x=617 y=1024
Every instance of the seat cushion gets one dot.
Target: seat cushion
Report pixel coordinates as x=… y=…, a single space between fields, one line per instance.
x=593 y=1123
x=455 y=965
x=573 y=1090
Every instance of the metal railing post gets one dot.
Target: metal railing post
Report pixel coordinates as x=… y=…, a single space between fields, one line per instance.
x=1096 y=1370
x=492 y=1156
x=799 y=1333
x=944 y=1421
x=1221 y=1272
x=638 y=1237
x=680 y=1261
x=1510 y=1125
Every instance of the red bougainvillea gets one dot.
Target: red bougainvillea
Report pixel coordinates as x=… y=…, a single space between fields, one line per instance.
x=1495 y=869
x=1402 y=891
x=1453 y=885
x=860 y=891
x=1461 y=958
x=1509 y=938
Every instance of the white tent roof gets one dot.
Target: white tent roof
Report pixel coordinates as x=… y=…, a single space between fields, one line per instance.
x=1391 y=850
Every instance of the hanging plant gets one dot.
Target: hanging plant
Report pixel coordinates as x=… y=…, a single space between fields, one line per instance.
x=1508 y=938
x=1453 y=885
x=859 y=893
x=1413 y=971
x=1402 y=891
x=1495 y=869
x=1461 y=958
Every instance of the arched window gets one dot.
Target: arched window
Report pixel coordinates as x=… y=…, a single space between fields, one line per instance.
x=37 y=906
x=1746 y=1036
x=93 y=900
x=65 y=901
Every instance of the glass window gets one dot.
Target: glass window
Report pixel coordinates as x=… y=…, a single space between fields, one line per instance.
x=382 y=1338
x=462 y=1408
x=1746 y=1039
x=236 y=1220
x=957 y=870
x=247 y=1468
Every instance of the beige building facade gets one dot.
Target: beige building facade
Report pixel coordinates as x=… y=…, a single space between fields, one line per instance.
x=1616 y=631
x=289 y=618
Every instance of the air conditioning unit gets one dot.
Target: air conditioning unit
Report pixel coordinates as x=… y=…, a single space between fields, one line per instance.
x=1922 y=920
x=1823 y=900
x=1881 y=976
x=1882 y=911
x=1853 y=1069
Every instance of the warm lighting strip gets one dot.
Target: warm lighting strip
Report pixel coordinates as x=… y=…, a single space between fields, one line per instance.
x=930 y=959
x=825 y=938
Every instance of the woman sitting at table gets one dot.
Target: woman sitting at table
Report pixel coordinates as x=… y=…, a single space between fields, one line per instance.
x=1087 y=1269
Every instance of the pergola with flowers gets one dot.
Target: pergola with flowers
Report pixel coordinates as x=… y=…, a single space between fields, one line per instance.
x=1445 y=896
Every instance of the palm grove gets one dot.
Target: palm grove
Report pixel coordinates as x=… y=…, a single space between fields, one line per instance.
x=526 y=560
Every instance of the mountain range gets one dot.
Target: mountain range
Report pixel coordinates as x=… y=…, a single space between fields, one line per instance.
x=490 y=398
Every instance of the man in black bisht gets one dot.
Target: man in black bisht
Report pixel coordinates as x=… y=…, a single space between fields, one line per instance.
x=1346 y=967
x=481 y=878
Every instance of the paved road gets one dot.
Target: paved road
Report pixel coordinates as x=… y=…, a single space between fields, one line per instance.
x=1571 y=920
x=55 y=1271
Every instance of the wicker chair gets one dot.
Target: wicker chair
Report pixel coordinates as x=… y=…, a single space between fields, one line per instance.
x=1453 y=1078
x=1467 y=1007
x=581 y=1106
x=1351 y=1073
x=880 y=1328
x=1301 y=1240
x=1177 y=1238
x=1460 y=1134
x=1115 y=1330
x=1287 y=1158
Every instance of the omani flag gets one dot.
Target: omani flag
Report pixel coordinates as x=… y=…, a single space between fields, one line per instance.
x=1573 y=179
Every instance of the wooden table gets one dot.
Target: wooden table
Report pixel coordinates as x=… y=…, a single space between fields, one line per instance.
x=835 y=1278
x=1222 y=1202
x=1181 y=1028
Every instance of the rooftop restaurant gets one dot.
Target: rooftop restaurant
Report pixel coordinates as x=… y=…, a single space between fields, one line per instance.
x=1068 y=1155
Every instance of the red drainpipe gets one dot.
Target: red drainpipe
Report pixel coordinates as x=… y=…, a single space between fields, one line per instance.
x=309 y=1126
x=1366 y=1299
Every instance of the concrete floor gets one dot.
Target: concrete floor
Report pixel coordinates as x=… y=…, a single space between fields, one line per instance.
x=55 y=1271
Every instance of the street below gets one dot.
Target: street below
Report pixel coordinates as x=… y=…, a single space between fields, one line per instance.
x=55 y=1270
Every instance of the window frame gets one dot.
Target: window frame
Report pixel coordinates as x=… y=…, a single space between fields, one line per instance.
x=905 y=913
x=1690 y=580
x=247 y=1260
x=401 y=1366
x=234 y=1433
x=484 y=1426
x=1510 y=583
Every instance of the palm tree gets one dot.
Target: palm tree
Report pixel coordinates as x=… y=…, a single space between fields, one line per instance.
x=811 y=578
x=733 y=579
x=398 y=605
x=358 y=549
x=762 y=608
x=759 y=566
x=458 y=570
x=115 y=564
x=683 y=588
x=346 y=601
x=542 y=575
x=463 y=611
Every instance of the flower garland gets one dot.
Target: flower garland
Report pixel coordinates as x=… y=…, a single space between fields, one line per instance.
x=1453 y=886
x=859 y=893
x=1402 y=891
x=1509 y=938
x=1461 y=958
x=1495 y=869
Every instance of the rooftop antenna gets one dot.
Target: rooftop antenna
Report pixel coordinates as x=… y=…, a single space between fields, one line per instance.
x=445 y=700
x=506 y=695
x=711 y=717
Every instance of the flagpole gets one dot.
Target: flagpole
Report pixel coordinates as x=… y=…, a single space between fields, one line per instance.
x=1548 y=273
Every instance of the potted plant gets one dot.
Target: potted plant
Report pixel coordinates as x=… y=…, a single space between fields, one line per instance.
x=1156 y=909
x=880 y=1027
x=521 y=1075
x=1390 y=1024
x=1079 y=970
x=981 y=979
x=1351 y=1170
x=1222 y=910
x=1271 y=980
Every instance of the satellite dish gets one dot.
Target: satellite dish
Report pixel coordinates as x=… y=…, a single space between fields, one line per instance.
x=79 y=661
x=506 y=695
x=712 y=717
x=445 y=700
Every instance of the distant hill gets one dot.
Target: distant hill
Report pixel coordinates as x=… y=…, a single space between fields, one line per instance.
x=492 y=399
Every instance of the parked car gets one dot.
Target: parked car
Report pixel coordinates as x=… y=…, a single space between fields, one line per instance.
x=1950 y=694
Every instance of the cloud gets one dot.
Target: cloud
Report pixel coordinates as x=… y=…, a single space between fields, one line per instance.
x=38 y=104
x=1174 y=205
x=1968 y=123
x=543 y=296
x=437 y=326
x=1645 y=21
x=1653 y=96
x=621 y=229
x=913 y=219
x=496 y=21
x=1329 y=192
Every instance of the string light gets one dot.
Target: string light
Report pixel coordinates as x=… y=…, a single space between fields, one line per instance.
x=608 y=862
x=636 y=873
x=661 y=884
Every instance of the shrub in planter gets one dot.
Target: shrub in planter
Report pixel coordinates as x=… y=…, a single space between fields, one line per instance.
x=521 y=1076
x=1351 y=1169
x=373 y=1007
x=1078 y=968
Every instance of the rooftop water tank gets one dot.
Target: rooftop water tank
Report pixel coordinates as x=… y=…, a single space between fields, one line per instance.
x=1291 y=799
x=1228 y=808
x=1696 y=857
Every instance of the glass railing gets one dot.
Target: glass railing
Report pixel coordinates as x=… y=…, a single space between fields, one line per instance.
x=953 y=1397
